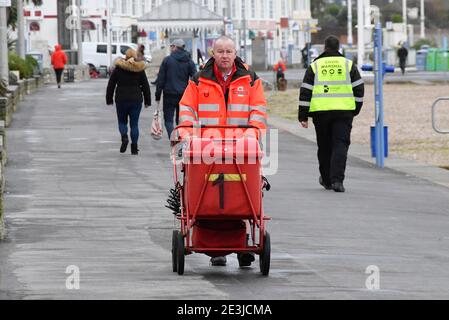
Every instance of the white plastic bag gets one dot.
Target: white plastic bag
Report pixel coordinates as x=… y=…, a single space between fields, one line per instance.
x=156 y=126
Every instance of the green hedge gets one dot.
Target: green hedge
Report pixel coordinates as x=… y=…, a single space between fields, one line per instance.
x=24 y=66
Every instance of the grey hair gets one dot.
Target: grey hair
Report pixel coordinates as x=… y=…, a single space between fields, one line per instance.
x=225 y=38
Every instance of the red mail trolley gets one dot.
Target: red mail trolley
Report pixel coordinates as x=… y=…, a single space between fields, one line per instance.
x=220 y=190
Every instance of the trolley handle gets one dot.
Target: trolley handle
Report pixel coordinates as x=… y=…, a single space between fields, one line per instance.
x=203 y=126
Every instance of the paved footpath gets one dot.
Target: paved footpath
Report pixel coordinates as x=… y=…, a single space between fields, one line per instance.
x=72 y=199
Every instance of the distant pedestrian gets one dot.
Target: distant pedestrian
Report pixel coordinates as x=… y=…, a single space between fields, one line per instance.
x=172 y=80
x=199 y=59
x=129 y=82
x=58 y=60
x=402 y=55
x=305 y=56
x=332 y=94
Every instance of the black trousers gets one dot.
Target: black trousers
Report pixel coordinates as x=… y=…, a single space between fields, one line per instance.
x=333 y=133
x=58 y=75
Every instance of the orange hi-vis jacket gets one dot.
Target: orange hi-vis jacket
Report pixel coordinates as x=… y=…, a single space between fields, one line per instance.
x=204 y=101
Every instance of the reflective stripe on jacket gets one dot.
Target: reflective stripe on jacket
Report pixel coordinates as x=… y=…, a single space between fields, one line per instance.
x=332 y=89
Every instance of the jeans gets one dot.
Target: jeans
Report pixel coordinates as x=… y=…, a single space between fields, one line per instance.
x=171 y=106
x=132 y=110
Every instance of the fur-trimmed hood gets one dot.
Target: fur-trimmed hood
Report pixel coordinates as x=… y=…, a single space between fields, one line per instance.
x=130 y=65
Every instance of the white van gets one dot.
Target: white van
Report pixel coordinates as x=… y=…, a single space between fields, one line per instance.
x=95 y=54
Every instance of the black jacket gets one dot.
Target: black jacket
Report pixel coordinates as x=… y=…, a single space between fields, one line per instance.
x=305 y=94
x=174 y=74
x=129 y=82
x=402 y=53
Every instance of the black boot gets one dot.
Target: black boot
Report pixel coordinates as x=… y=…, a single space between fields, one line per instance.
x=125 y=142
x=134 y=149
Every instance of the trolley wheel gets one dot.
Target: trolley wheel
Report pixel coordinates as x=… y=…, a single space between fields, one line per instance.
x=264 y=258
x=180 y=253
x=174 y=250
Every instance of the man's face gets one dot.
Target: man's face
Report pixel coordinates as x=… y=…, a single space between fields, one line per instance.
x=224 y=54
x=172 y=48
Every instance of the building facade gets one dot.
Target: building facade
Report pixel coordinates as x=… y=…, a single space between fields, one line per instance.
x=280 y=22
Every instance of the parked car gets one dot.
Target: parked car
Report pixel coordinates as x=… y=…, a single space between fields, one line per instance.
x=95 y=54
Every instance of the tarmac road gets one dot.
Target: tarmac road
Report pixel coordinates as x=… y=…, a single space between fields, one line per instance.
x=73 y=200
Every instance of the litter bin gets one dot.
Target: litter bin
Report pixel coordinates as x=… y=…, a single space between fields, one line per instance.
x=69 y=74
x=421 y=60
x=431 y=59
x=103 y=72
x=40 y=61
x=441 y=60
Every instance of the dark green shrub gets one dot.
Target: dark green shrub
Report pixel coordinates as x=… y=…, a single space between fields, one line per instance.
x=32 y=62
x=17 y=63
x=396 y=18
x=421 y=42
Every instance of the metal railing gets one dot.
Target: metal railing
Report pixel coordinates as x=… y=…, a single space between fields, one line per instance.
x=435 y=103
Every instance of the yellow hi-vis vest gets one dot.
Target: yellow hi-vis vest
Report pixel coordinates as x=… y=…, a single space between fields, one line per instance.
x=332 y=89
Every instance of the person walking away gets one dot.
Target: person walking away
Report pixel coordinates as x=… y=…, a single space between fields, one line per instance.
x=58 y=60
x=130 y=83
x=402 y=55
x=225 y=92
x=172 y=80
x=332 y=94
x=304 y=53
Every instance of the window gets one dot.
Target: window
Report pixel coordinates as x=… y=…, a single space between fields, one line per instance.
x=125 y=36
x=271 y=9
x=253 y=8
x=115 y=6
x=262 y=9
x=284 y=38
x=124 y=6
x=102 y=48
x=216 y=6
x=284 y=8
x=134 y=7
x=144 y=7
x=234 y=9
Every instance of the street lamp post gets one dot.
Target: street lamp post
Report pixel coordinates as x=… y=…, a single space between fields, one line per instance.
x=350 y=23
x=423 y=32
x=79 y=37
x=244 y=29
x=360 y=33
x=404 y=18
x=20 y=30
x=4 y=71
x=108 y=33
